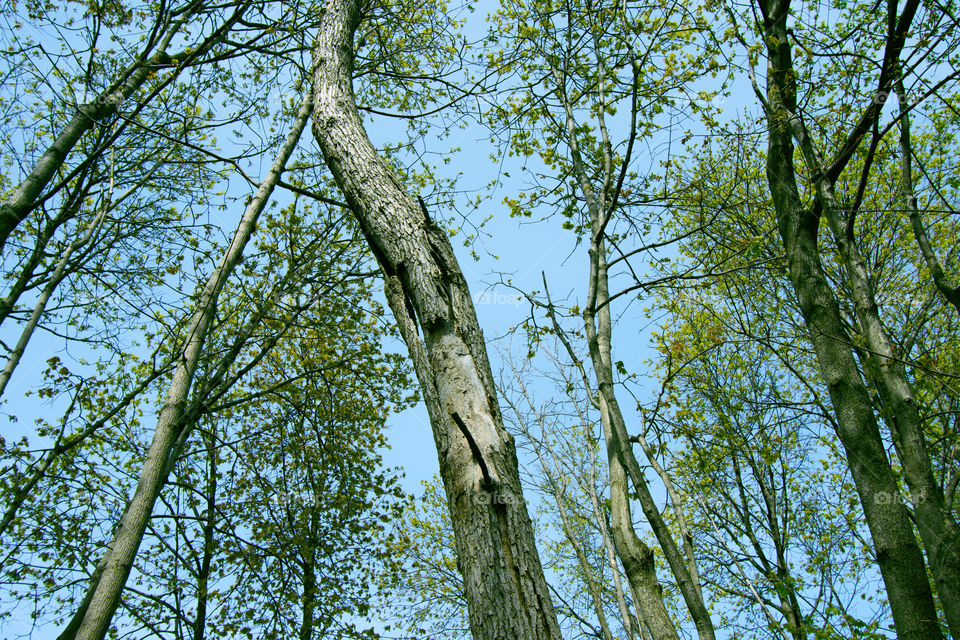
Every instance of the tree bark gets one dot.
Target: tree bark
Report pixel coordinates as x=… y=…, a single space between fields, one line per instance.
x=505 y=589
x=129 y=533
x=636 y=557
x=938 y=528
x=898 y=555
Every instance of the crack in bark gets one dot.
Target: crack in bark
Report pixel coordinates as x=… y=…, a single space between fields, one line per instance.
x=488 y=483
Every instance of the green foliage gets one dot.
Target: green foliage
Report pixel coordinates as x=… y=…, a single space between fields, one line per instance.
x=429 y=598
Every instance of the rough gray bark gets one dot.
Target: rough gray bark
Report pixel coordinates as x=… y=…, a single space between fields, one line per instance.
x=129 y=533
x=898 y=555
x=506 y=592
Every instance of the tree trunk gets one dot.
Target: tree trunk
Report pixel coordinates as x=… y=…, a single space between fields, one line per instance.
x=129 y=533
x=636 y=557
x=938 y=529
x=308 y=558
x=949 y=291
x=209 y=525
x=506 y=592
x=598 y=331
x=899 y=557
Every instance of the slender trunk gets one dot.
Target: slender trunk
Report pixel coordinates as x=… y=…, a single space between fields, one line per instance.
x=59 y=273
x=950 y=292
x=129 y=532
x=597 y=327
x=637 y=557
x=309 y=590
x=588 y=573
x=507 y=595
x=901 y=562
x=938 y=529
x=779 y=575
x=943 y=554
x=203 y=576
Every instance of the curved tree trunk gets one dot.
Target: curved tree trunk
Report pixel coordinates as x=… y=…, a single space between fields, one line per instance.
x=506 y=592
x=949 y=291
x=637 y=558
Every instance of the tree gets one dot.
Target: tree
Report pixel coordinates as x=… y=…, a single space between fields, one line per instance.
x=283 y=483
x=767 y=344
x=430 y=598
x=505 y=588
x=897 y=552
x=162 y=28
x=107 y=586
x=583 y=64
x=563 y=438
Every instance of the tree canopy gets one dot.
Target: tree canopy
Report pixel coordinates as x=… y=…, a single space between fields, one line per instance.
x=673 y=285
